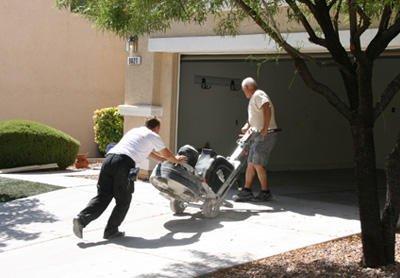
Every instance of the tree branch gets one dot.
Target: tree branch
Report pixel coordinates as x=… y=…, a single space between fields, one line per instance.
x=273 y=31
x=333 y=2
x=382 y=39
x=312 y=35
x=274 y=34
x=339 y=54
x=356 y=30
x=322 y=89
x=301 y=66
x=336 y=17
x=387 y=96
x=355 y=44
x=366 y=21
x=309 y=4
x=321 y=13
x=385 y=18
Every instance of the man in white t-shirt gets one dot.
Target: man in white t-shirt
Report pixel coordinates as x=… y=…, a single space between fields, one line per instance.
x=261 y=116
x=114 y=181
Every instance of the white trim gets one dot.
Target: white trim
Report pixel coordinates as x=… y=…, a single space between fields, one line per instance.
x=255 y=43
x=140 y=110
x=178 y=88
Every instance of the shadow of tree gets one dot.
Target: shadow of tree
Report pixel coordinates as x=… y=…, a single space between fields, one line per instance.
x=143 y=243
x=335 y=186
x=15 y=214
x=319 y=192
x=337 y=258
x=303 y=206
x=195 y=225
x=203 y=263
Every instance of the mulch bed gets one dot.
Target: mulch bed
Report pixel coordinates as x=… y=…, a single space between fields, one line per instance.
x=338 y=258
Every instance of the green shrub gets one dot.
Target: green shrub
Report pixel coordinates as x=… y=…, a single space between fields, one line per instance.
x=108 y=127
x=24 y=143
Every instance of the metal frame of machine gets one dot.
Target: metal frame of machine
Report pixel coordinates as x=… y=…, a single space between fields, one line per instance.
x=193 y=191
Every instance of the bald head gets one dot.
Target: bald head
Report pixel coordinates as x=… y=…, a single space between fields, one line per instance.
x=249 y=82
x=249 y=86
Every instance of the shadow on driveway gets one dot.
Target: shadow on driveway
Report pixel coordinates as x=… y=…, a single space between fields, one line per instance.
x=15 y=214
x=328 y=187
x=204 y=263
x=195 y=225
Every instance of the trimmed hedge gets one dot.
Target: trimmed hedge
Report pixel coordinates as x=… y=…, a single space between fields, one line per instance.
x=24 y=143
x=108 y=127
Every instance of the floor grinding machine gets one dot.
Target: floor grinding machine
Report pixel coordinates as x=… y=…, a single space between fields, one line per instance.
x=205 y=179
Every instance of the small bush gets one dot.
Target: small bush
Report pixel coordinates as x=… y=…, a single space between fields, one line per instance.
x=24 y=143
x=108 y=127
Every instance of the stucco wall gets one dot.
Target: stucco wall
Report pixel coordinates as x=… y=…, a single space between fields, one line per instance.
x=55 y=68
x=154 y=82
x=247 y=26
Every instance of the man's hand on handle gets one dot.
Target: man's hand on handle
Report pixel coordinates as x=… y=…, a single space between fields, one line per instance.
x=181 y=159
x=245 y=128
x=264 y=132
x=166 y=154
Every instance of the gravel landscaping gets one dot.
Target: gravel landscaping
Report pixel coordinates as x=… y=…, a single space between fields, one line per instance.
x=338 y=258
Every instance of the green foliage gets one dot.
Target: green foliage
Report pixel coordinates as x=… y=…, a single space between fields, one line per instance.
x=108 y=127
x=127 y=17
x=24 y=143
x=138 y=17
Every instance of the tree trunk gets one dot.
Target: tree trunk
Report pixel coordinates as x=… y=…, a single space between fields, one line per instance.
x=390 y=214
x=365 y=166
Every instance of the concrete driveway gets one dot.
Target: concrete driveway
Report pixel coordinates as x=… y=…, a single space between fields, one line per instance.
x=36 y=237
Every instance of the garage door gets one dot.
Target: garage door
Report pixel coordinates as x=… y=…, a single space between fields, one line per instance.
x=211 y=110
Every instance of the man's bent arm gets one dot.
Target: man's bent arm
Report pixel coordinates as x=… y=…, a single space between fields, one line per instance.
x=155 y=156
x=168 y=155
x=267 y=117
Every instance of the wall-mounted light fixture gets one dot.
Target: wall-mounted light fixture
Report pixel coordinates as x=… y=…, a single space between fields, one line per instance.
x=132 y=44
x=132 y=47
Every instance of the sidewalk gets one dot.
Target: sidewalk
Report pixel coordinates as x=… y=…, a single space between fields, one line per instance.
x=36 y=234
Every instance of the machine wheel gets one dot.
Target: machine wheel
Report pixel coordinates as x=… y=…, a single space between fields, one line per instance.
x=209 y=210
x=177 y=207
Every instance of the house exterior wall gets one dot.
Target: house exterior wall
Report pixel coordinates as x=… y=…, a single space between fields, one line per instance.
x=158 y=71
x=55 y=68
x=248 y=26
x=154 y=82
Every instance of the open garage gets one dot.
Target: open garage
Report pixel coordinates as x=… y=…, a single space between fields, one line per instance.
x=212 y=109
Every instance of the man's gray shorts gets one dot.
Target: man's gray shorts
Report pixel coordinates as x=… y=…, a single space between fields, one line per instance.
x=260 y=149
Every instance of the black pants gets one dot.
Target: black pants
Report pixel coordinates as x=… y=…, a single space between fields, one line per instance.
x=113 y=183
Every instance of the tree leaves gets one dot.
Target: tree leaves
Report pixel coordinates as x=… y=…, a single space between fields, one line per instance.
x=127 y=17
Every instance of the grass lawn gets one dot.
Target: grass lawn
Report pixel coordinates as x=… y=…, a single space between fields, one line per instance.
x=11 y=189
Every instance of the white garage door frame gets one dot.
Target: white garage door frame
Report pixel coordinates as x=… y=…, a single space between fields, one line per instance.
x=251 y=44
